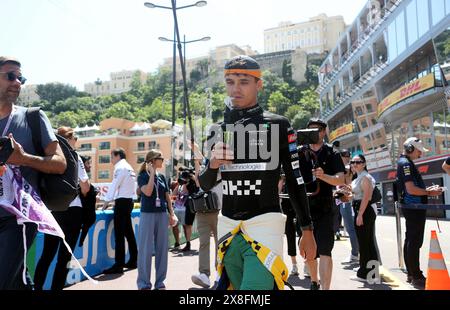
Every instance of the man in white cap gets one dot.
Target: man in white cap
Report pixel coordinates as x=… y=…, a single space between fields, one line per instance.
x=412 y=191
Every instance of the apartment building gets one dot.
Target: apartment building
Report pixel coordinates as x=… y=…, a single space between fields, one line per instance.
x=120 y=83
x=135 y=138
x=214 y=61
x=315 y=36
x=386 y=81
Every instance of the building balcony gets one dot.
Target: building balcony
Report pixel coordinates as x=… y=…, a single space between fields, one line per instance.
x=354 y=90
x=348 y=57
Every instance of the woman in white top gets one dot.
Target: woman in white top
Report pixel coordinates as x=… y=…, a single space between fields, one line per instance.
x=70 y=222
x=365 y=215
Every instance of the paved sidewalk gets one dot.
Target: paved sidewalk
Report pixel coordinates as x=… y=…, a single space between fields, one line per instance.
x=183 y=265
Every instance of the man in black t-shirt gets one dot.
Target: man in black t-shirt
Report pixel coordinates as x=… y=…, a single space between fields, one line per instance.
x=322 y=169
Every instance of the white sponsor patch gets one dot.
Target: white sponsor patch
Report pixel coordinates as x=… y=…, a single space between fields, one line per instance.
x=300 y=181
x=244 y=167
x=296 y=165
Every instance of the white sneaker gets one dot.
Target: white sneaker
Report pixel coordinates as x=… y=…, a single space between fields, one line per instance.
x=306 y=273
x=201 y=279
x=294 y=270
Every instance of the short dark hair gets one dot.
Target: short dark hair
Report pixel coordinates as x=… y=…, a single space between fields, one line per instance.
x=363 y=159
x=85 y=158
x=119 y=152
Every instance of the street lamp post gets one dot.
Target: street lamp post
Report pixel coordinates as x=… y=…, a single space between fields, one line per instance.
x=174 y=8
x=184 y=97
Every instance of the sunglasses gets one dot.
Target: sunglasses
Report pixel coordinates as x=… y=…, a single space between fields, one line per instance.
x=356 y=162
x=11 y=76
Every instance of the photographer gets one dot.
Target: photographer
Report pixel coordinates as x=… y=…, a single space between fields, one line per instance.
x=13 y=123
x=322 y=169
x=187 y=185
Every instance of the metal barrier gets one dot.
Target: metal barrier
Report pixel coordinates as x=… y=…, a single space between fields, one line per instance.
x=397 y=207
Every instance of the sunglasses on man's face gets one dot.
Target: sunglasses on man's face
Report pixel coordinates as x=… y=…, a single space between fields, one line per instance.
x=11 y=76
x=356 y=162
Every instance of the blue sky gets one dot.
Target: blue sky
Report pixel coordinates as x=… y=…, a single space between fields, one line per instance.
x=76 y=42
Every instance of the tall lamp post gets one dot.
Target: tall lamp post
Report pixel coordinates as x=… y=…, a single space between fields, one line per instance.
x=174 y=8
x=184 y=98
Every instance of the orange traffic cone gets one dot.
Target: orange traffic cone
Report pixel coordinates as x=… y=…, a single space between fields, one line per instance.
x=437 y=277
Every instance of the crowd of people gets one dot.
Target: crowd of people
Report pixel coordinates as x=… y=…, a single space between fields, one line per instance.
x=245 y=200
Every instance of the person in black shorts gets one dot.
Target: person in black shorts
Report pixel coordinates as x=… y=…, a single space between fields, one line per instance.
x=322 y=169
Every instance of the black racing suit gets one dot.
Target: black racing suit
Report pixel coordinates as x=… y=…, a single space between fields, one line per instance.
x=250 y=183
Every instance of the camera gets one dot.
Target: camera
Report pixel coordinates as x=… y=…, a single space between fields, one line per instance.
x=6 y=149
x=185 y=176
x=308 y=136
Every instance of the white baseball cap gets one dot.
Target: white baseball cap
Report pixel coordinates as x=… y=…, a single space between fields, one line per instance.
x=417 y=143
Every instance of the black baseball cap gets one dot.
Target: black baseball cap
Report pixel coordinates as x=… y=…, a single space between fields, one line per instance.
x=316 y=121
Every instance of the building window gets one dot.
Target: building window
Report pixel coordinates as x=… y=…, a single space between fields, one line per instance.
x=152 y=145
x=104 y=159
x=141 y=146
x=392 y=39
x=104 y=174
x=86 y=147
x=140 y=159
x=401 y=32
x=104 y=146
x=364 y=124
x=369 y=108
x=423 y=17
x=411 y=18
x=437 y=10
x=359 y=111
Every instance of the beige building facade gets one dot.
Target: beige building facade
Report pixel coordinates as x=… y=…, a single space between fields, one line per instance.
x=315 y=36
x=135 y=138
x=28 y=95
x=120 y=83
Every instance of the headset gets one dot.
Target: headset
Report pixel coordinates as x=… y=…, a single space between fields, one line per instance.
x=409 y=148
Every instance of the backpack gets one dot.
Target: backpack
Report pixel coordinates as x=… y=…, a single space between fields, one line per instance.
x=57 y=191
x=89 y=215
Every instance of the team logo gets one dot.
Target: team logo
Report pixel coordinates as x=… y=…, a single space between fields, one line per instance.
x=294 y=155
x=293 y=147
x=300 y=181
x=295 y=164
x=292 y=138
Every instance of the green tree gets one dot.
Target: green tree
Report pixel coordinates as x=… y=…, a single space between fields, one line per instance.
x=119 y=110
x=301 y=119
x=309 y=100
x=53 y=92
x=286 y=71
x=278 y=103
x=292 y=111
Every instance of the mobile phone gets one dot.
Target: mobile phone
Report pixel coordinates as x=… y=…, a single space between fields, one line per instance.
x=6 y=149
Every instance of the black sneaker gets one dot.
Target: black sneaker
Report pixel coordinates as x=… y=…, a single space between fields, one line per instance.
x=187 y=247
x=115 y=269
x=314 y=286
x=409 y=279
x=131 y=265
x=419 y=283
